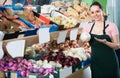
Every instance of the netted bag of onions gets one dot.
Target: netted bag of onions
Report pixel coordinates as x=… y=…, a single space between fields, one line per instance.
x=2 y=74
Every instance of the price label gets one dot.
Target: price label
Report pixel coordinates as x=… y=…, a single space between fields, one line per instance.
x=44 y=35
x=20 y=36
x=73 y=34
x=1 y=50
x=16 y=48
x=13 y=75
x=33 y=75
x=1 y=35
x=62 y=36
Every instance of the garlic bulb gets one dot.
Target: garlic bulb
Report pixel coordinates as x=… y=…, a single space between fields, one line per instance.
x=47 y=65
x=85 y=36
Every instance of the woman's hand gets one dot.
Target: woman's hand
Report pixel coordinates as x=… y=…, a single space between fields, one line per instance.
x=101 y=40
x=112 y=44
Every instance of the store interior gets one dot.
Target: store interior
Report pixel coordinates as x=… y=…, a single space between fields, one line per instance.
x=42 y=31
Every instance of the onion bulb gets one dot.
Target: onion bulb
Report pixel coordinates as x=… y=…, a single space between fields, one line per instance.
x=85 y=36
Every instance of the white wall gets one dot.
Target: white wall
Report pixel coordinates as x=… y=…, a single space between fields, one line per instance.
x=114 y=11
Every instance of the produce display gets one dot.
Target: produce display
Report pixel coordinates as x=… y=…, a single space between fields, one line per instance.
x=72 y=14
x=75 y=9
x=43 y=59
x=24 y=67
x=60 y=55
x=67 y=14
x=24 y=19
x=66 y=22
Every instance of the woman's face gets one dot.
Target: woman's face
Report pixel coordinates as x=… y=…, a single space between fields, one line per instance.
x=96 y=13
x=30 y=1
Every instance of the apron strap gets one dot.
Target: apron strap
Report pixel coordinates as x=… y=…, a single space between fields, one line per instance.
x=92 y=28
x=105 y=28
x=4 y=2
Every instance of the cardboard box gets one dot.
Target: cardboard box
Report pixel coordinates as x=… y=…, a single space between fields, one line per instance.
x=63 y=73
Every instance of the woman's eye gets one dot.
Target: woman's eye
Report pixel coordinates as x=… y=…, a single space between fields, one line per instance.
x=97 y=11
x=92 y=12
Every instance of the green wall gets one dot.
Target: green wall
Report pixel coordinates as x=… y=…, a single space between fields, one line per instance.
x=103 y=2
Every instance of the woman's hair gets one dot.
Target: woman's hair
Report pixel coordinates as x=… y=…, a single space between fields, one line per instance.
x=96 y=4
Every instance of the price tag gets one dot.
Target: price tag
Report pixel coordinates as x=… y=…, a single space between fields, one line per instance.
x=13 y=75
x=1 y=35
x=73 y=34
x=62 y=36
x=1 y=50
x=33 y=75
x=16 y=48
x=20 y=36
x=44 y=35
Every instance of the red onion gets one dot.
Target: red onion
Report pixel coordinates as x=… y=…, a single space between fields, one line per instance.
x=50 y=70
x=41 y=70
x=14 y=67
x=19 y=60
x=35 y=70
x=23 y=73
x=10 y=64
x=5 y=69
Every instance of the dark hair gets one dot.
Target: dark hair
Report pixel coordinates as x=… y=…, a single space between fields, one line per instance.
x=96 y=4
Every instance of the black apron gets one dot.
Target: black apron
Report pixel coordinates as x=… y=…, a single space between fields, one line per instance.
x=104 y=62
x=118 y=54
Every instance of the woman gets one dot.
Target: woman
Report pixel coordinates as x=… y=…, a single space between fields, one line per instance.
x=104 y=41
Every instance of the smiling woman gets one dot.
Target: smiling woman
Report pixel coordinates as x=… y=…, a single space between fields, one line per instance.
x=104 y=41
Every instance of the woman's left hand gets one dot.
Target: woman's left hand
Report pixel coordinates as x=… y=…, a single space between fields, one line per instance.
x=101 y=40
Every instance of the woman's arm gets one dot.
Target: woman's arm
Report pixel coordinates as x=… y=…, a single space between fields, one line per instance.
x=113 y=32
x=114 y=44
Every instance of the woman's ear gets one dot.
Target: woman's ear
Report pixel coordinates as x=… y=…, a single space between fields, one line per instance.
x=102 y=14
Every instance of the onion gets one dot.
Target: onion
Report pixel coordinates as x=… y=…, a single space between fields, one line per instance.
x=29 y=65
x=49 y=70
x=5 y=69
x=19 y=60
x=14 y=67
x=47 y=65
x=35 y=70
x=23 y=73
x=41 y=70
x=31 y=69
x=39 y=62
x=85 y=36
x=10 y=64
